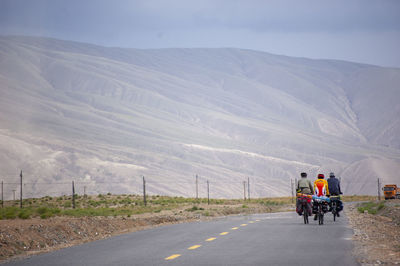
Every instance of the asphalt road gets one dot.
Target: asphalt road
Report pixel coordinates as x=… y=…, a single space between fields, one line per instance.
x=263 y=239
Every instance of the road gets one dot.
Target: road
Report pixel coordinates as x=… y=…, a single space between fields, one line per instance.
x=262 y=239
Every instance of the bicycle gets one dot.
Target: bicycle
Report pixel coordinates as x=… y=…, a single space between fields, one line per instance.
x=334 y=205
x=322 y=203
x=304 y=201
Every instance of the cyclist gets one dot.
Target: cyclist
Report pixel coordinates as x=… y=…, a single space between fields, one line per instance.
x=334 y=189
x=320 y=189
x=304 y=186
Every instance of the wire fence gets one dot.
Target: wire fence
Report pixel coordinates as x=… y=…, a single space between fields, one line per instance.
x=19 y=188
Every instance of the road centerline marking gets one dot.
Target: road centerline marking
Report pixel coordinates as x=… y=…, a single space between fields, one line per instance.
x=224 y=233
x=211 y=239
x=251 y=222
x=173 y=257
x=243 y=224
x=235 y=228
x=194 y=247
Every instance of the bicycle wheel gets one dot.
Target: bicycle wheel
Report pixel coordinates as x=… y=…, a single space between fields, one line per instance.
x=320 y=215
x=334 y=211
x=305 y=215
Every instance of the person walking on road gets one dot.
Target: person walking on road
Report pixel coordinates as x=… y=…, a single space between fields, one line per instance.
x=334 y=189
x=304 y=186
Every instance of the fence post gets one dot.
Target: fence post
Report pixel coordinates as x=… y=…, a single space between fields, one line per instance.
x=73 y=195
x=197 y=187
x=144 y=192
x=248 y=188
x=379 y=190
x=291 y=185
x=244 y=190
x=2 y=195
x=20 y=198
x=208 y=192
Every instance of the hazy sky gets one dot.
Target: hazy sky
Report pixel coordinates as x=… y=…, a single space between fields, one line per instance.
x=354 y=30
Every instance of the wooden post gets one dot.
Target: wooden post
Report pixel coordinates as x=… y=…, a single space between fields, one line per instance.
x=73 y=195
x=208 y=192
x=197 y=187
x=248 y=188
x=244 y=190
x=84 y=191
x=20 y=198
x=2 y=195
x=144 y=192
x=379 y=190
x=291 y=185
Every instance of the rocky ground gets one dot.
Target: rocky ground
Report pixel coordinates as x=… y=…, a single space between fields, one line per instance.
x=376 y=236
x=20 y=237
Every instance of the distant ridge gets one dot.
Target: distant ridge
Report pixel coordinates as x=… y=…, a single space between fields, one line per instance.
x=75 y=111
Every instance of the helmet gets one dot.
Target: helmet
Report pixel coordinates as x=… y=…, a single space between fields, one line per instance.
x=331 y=174
x=303 y=174
x=321 y=176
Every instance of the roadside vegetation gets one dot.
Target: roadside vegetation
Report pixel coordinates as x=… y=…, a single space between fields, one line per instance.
x=126 y=205
x=372 y=207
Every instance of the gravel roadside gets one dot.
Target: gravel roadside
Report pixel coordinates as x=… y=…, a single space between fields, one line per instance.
x=376 y=236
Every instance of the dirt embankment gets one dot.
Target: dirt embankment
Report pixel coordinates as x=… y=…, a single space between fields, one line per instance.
x=376 y=236
x=19 y=238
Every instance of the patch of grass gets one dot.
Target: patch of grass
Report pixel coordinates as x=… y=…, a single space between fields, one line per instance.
x=371 y=207
x=8 y=213
x=358 y=198
x=25 y=214
x=194 y=208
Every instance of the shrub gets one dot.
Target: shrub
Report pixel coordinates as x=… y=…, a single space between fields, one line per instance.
x=371 y=207
x=8 y=213
x=42 y=210
x=46 y=215
x=25 y=214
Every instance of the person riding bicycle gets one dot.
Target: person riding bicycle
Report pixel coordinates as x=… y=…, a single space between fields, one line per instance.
x=304 y=186
x=320 y=189
x=334 y=189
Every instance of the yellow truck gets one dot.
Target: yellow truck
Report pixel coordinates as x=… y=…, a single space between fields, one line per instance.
x=391 y=192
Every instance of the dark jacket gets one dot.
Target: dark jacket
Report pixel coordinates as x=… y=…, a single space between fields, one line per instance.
x=334 y=186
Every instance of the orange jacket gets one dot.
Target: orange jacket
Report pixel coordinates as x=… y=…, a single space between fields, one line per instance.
x=321 y=187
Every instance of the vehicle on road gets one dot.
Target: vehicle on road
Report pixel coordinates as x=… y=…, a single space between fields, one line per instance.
x=391 y=192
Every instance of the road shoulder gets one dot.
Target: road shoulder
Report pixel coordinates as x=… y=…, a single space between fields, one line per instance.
x=376 y=237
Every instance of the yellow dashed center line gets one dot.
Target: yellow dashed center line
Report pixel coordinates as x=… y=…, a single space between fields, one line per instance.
x=173 y=257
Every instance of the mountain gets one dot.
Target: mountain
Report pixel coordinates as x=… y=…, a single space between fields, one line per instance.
x=105 y=117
